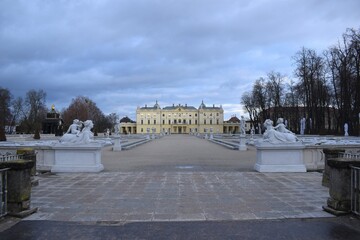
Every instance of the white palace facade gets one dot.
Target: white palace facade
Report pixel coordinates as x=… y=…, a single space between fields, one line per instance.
x=179 y=119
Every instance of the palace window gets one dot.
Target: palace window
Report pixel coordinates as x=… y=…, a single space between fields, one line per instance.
x=164 y=121
x=204 y=121
x=154 y=121
x=196 y=121
x=190 y=121
x=210 y=121
x=149 y=121
x=169 y=121
x=142 y=121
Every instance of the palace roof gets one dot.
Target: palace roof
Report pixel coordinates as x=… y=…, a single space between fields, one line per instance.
x=186 y=107
x=126 y=120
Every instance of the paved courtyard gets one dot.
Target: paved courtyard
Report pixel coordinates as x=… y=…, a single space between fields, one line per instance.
x=177 y=153
x=178 y=196
x=178 y=178
x=181 y=187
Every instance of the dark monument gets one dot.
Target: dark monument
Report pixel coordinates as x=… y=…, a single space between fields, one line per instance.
x=53 y=123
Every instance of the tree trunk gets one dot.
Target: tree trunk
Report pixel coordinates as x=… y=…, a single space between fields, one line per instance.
x=37 y=134
x=2 y=134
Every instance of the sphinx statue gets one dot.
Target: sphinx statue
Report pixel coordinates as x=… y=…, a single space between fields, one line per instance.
x=279 y=133
x=79 y=137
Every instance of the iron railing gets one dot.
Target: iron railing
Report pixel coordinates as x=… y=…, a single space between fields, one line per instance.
x=3 y=191
x=355 y=190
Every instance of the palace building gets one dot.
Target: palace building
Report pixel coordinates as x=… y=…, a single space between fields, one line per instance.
x=180 y=119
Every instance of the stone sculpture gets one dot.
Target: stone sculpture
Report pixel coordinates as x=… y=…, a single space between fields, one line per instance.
x=259 y=128
x=346 y=129
x=75 y=127
x=242 y=126
x=117 y=128
x=82 y=137
x=279 y=133
x=302 y=126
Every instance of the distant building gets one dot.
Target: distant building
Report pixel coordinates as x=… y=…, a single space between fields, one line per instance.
x=127 y=126
x=178 y=119
x=181 y=119
x=232 y=126
x=53 y=123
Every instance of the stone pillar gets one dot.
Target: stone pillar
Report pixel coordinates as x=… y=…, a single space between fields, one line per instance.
x=242 y=143
x=117 y=144
x=329 y=154
x=339 y=202
x=28 y=154
x=19 y=187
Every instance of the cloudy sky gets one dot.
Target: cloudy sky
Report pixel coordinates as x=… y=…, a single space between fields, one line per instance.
x=128 y=53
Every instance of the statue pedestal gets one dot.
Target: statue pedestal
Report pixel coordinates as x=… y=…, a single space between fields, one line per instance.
x=279 y=157
x=117 y=144
x=77 y=158
x=242 y=143
x=18 y=187
x=340 y=189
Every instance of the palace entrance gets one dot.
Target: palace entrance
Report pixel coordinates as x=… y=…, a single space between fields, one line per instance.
x=179 y=129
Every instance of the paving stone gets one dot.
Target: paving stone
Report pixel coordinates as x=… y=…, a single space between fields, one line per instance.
x=180 y=196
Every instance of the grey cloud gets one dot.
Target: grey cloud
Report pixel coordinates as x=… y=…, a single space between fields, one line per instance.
x=175 y=51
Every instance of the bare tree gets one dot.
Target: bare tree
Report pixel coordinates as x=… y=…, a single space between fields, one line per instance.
x=292 y=103
x=259 y=97
x=328 y=88
x=264 y=96
x=313 y=87
x=112 y=118
x=248 y=103
x=275 y=92
x=34 y=111
x=353 y=37
x=343 y=62
x=17 y=110
x=5 y=113
x=83 y=108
